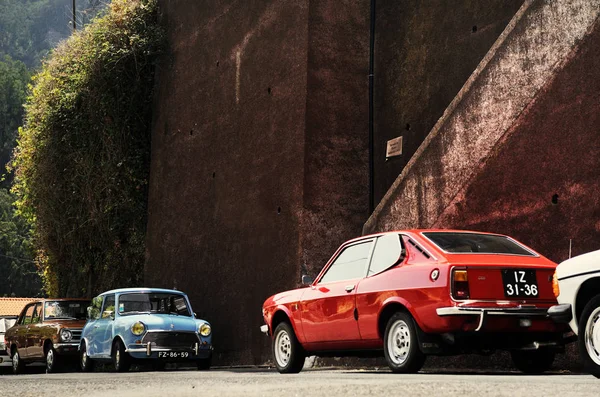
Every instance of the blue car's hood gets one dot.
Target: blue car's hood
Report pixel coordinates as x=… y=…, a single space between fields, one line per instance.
x=165 y=322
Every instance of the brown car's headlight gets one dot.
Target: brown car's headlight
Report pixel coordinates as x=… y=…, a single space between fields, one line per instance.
x=66 y=335
x=204 y=330
x=138 y=328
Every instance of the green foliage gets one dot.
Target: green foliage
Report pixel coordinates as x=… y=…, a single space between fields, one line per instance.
x=14 y=78
x=17 y=268
x=82 y=160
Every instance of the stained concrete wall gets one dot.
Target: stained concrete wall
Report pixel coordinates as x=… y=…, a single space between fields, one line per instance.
x=258 y=132
x=425 y=50
x=517 y=150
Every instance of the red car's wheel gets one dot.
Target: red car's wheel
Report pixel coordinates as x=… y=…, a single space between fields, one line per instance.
x=400 y=345
x=287 y=351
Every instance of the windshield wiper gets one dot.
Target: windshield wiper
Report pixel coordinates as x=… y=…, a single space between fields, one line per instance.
x=61 y=318
x=135 y=312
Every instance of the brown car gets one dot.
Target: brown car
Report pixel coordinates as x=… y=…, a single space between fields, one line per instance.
x=47 y=331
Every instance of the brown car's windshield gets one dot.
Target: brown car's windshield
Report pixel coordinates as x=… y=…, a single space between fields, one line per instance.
x=65 y=310
x=160 y=303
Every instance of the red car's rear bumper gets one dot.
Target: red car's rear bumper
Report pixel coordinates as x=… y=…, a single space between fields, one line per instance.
x=523 y=313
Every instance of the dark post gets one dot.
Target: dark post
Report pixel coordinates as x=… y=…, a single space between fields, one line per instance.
x=371 y=132
x=74 y=17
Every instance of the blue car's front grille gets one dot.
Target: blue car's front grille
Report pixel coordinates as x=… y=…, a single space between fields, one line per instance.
x=171 y=339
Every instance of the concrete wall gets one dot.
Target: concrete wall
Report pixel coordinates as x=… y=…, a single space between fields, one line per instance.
x=517 y=150
x=258 y=130
x=425 y=50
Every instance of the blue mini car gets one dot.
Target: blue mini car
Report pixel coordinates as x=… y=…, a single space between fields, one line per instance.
x=144 y=324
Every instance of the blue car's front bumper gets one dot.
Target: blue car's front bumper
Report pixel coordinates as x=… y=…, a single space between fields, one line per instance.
x=150 y=351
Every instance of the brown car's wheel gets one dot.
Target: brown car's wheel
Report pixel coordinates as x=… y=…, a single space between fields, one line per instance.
x=18 y=366
x=287 y=351
x=533 y=361
x=85 y=362
x=53 y=361
x=120 y=358
x=400 y=344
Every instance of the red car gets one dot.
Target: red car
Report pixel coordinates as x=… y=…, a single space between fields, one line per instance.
x=409 y=294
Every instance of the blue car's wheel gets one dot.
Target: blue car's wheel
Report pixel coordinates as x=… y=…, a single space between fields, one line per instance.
x=85 y=362
x=120 y=358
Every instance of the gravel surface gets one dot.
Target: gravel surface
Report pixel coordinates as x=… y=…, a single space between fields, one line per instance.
x=321 y=382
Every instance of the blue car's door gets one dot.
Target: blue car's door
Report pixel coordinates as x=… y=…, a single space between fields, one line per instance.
x=100 y=339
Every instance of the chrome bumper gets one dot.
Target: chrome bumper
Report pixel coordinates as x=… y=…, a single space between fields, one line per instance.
x=149 y=348
x=483 y=312
x=264 y=329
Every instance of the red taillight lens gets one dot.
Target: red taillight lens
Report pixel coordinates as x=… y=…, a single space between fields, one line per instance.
x=555 y=287
x=460 y=284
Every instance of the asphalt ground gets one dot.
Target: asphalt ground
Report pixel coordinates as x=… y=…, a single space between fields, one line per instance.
x=316 y=382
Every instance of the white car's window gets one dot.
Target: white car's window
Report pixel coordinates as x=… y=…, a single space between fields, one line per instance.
x=350 y=264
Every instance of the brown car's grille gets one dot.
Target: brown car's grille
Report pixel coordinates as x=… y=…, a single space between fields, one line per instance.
x=171 y=339
x=76 y=335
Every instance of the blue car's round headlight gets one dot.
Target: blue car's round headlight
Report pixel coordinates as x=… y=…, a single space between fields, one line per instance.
x=138 y=328
x=204 y=329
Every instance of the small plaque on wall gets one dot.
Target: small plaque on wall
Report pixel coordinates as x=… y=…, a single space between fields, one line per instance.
x=394 y=147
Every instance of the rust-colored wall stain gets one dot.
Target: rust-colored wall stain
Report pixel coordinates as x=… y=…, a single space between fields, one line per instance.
x=424 y=53
x=542 y=184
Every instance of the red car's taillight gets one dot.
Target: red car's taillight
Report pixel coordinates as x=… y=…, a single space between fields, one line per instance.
x=460 y=284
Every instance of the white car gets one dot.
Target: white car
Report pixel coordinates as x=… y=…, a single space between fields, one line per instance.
x=5 y=323
x=576 y=286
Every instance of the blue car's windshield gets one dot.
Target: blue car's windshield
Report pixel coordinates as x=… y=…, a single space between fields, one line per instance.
x=150 y=302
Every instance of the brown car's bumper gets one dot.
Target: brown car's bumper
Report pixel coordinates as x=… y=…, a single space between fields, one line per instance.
x=67 y=349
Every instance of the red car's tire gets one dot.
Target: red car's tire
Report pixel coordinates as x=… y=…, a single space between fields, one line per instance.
x=288 y=354
x=400 y=344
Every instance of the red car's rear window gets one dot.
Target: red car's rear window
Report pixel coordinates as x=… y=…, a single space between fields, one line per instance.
x=457 y=242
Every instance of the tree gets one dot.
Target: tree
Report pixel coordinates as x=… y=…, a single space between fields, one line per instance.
x=83 y=159
x=18 y=270
x=14 y=78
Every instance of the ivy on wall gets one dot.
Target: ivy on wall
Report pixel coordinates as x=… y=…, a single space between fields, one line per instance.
x=83 y=156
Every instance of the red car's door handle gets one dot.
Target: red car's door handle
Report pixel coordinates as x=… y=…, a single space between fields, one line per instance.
x=349 y=288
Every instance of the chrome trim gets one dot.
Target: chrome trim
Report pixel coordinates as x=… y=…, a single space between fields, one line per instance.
x=149 y=348
x=144 y=349
x=264 y=329
x=483 y=312
x=57 y=345
x=196 y=348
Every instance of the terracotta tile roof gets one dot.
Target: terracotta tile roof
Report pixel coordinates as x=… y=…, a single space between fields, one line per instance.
x=13 y=306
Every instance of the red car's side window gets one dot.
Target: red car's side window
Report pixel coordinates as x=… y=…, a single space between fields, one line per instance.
x=350 y=264
x=388 y=252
